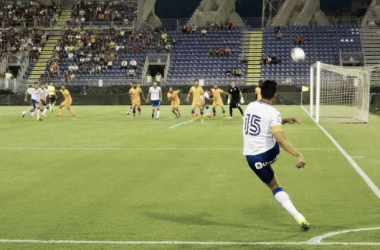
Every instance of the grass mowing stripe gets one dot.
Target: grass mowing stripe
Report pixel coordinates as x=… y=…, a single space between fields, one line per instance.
x=143 y=148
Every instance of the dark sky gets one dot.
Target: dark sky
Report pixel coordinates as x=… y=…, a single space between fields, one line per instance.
x=173 y=9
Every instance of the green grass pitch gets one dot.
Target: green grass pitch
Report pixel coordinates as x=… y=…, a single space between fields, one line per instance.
x=108 y=177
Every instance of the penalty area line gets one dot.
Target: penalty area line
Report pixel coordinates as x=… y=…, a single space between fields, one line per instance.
x=180 y=124
x=210 y=243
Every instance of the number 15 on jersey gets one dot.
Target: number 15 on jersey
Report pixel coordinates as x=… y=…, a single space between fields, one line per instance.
x=252 y=125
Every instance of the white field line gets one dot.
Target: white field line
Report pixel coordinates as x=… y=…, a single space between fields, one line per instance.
x=319 y=239
x=358 y=169
x=210 y=243
x=180 y=124
x=357 y=157
x=146 y=148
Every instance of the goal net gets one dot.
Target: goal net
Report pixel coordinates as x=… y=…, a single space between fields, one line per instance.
x=338 y=94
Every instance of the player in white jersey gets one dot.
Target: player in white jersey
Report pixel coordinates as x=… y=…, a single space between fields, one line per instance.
x=263 y=136
x=155 y=97
x=36 y=94
x=45 y=102
x=206 y=97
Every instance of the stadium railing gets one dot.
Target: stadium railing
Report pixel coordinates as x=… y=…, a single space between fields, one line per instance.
x=259 y=22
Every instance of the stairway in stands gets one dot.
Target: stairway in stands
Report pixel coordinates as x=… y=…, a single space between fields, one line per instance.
x=370 y=38
x=47 y=52
x=253 y=49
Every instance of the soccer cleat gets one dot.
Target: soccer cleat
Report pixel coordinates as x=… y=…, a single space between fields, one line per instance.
x=39 y=119
x=23 y=114
x=32 y=114
x=302 y=222
x=127 y=113
x=229 y=118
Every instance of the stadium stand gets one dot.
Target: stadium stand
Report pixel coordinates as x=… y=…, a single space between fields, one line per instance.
x=190 y=56
x=323 y=43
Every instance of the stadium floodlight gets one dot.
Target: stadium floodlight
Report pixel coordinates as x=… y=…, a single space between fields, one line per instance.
x=339 y=94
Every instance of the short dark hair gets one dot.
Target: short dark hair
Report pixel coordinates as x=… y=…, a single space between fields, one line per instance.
x=268 y=89
x=196 y=80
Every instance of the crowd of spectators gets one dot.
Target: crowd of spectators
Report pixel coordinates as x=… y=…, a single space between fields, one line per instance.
x=116 y=11
x=29 y=12
x=270 y=59
x=190 y=29
x=22 y=41
x=237 y=72
x=96 y=51
x=220 y=52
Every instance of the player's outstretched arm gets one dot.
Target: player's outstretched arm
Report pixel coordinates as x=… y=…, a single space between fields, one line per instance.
x=285 y=144
x=290 y=121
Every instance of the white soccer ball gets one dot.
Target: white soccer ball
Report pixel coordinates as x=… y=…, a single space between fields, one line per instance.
x=298 y=55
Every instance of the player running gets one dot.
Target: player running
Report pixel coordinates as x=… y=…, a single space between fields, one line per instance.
x=216 y=93
x=235 y=97
x=175 y=101
x=197 y=93
x=66 y=103
x=52 y=95
x=135 y=92
x=35 y=93
x=263 y=136
x=155 y=95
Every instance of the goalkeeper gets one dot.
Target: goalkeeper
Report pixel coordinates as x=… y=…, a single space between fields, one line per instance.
x=235 y=99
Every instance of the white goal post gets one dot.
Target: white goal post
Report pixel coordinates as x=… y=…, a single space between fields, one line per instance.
x=339 y=94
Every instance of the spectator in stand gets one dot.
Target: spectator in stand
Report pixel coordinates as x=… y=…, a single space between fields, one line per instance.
x=279 y=35
x=133 y=64
x=238 y=72
x=229 y=73
x=109 y=64
x=124 y=64
x=72 y=76
x=83 y=69
x=164 y=37
x=204 y=32
x=194 y=28
x=300 y=40
x=66 y=76
x=131 y=72
x=168 y=47
x=229 y=26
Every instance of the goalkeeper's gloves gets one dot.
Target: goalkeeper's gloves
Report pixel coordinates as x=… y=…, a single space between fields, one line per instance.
x=228 y=101
x=242 y=100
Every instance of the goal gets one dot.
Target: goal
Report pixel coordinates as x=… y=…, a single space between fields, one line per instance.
x=339 y=94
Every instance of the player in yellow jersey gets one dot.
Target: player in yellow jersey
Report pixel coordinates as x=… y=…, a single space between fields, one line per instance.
x=216 y=93
x=197 y=93
x=67 y=102
x=135 y=93
x=175 y=101
x=258 y=92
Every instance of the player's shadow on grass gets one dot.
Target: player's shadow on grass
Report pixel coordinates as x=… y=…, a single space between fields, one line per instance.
x=198 y=219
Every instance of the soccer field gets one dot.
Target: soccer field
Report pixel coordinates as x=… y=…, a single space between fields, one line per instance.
x=107 y=181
